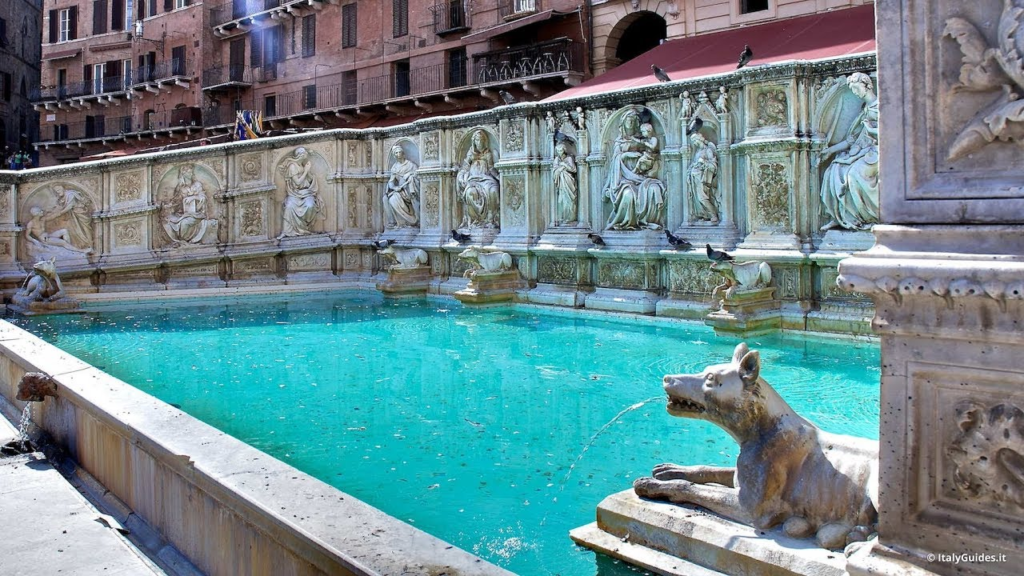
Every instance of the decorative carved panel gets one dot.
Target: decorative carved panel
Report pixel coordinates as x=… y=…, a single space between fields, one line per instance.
x=128 y=186
x=515 y=197
x=309 y=262
x=251 y=167
x=692 y=277
x=557 y=270
x=770 y=199
x=628 y=274
x=431 y=205
x=430 y=148
x=128 y=233
x=514 y=136
x=252 y=219
x=771 y=108
x=787 y=281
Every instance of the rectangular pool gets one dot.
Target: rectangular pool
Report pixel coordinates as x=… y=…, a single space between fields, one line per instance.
x=479 y=426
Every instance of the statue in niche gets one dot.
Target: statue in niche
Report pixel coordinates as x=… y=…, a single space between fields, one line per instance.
x=722 y=103
x=563 y=172
x=402 y=193
x=632 y=186
x=701 y=180
x=849 y=187
x=686 y=106
x=303 y=204
x=477 y=184
x=191 y=224
x=73 y=207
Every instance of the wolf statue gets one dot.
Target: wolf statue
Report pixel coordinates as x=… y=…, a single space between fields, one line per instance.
x=788 y=471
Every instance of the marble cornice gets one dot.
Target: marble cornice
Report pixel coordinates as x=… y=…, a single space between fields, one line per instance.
x=242 y=192
x=128 y=211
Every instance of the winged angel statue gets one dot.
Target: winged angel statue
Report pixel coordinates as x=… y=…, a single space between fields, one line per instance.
x=988 y=69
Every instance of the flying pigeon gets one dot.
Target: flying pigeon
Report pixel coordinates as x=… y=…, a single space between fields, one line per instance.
x=460 y=237
x=506 y=97
x=745 y=56
x=382 y=244
x=596 y=239
x=694 y=126
x=660 y=74
x=717 y=255
x=677 y=242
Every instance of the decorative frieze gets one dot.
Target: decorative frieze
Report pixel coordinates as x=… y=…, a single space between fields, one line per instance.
x=628 y=274
x=771 y=190
x=128 y=187
x=309 y=262
x=431 y=205
x=691 y=277
x=557 y=270
x=771 y=108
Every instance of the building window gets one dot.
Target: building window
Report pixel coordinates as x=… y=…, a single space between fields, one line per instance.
x=99 y=72
x=349 y=87
x=8 y=81
x=64 y=23
x=309 y=97
x=178 y=61
x=270 y=106
x=309 y=35
x=400 y=15
x=147 y=8
x=348 y=26
x=126 y=78
x=457 y=67
x=402 y=86
x=180 y=3
x=99 y=16
x=748 y=6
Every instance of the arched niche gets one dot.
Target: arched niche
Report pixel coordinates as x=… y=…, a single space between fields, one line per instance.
x=188 y=215
x=486 y=197
x=56 y=220
x=312 y=199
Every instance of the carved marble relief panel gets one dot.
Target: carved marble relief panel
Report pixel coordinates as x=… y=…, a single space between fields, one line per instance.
x=771 y=108
x=770 y=186
x=254 y=266
x=128 y=234
x=691 y=277
x=252 y=219
x=515 y=199
x=557 y=270
x=309 y=263
x=970 y=432
x=5 y=204
x=430 y=147
x=58 y=220
x=250 y=168
x=187 y=214
x=431 y=204
x=787 y=281
x=514 y=136
x=128 y=187
x=628 y=274
x=302 y=204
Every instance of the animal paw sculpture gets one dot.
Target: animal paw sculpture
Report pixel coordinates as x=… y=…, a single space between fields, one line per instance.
x=788 y=471
x=403 y=257
x=485 y=261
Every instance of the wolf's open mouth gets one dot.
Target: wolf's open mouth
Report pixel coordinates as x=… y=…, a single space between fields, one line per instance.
x=684 y=405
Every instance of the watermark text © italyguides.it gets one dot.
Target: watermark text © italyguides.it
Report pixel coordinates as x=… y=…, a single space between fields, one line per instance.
x=968 y=558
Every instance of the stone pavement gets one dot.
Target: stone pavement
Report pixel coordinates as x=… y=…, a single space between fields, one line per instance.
x=48 y=527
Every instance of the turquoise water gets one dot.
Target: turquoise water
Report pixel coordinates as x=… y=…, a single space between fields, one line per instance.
x=464 y=422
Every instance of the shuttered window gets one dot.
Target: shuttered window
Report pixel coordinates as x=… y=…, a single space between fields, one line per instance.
x=309 y=97
x=400 y=22
x=99 y=17
x=256 y=50
x=168 y=5
x=309 y=35
x=53 y=26
x=117 y=15
x=348 y=26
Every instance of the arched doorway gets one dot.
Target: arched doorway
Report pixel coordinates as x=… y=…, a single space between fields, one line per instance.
x=637 y=33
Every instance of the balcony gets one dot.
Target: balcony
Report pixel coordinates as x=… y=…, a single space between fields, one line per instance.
x=78 y=95
x=236 y=17
x=556 y=58
x=514 y=9
x=153 y=77
x=99 y=129
x=229 y=78
x=450 y=17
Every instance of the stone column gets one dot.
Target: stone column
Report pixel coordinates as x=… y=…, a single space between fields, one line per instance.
x=947 y=279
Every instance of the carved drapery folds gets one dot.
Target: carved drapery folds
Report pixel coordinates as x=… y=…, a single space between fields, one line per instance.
x=186 y=214
x=402 y=190
x=702 y=180
x=563 y=176
x=477 y=186
x=303 y=206
x=632 y=186
x=59 y=222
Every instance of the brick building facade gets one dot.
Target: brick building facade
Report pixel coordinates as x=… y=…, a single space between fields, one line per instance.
x=19 y=72
x=121 y=76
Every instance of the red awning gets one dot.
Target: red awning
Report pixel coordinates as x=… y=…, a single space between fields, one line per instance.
x=829 y=35
x=60 y=54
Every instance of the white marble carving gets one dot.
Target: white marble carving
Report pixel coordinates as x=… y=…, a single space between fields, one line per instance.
x=563 y=174
x=722 y=103
x=632 y=186
x=849 y=185
x=988 y=453
x=302 y=205
x=741 y=277
x=477 y=184
x=38 y=237
x=403 y=258
x=702 y=180
x=188 y=222
x=483 y=260
x=63 y=231
x=402 y=192
x=687 y=108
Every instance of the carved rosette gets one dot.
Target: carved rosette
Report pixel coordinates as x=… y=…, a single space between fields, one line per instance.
x=772 y=108
x=557 y=270
x=251 y=167
x=515 y=196
x=128 y=233
x=252 y=219
x=128 y=187
x=691 y=277
x=771 y=187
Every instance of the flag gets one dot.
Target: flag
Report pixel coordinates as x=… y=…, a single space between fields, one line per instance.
x=248 y=125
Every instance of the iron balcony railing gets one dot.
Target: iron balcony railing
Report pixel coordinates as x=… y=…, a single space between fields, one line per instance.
x=100 y=126
x=450 y=16
x=241 y=9
x=94 y=87
x=161 y=71
x=227 y=75
x=512 y=9
x=553 y=57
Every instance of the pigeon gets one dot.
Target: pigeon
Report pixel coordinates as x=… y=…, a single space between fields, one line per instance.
x=596 y=239
x=660 y=74
x=717 y=255
x=460 y=237
x=382 y=244
x=506 y=97
x=694 y=126
x=677 y=242
x=745 y=56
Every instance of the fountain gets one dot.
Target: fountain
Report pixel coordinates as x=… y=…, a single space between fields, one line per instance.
x=34 y=387
x=42 y=292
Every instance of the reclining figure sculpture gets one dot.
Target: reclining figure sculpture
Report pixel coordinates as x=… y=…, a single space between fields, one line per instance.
x=788 y=471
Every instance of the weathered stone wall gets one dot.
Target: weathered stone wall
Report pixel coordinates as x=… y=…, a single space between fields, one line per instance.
x=306 y=207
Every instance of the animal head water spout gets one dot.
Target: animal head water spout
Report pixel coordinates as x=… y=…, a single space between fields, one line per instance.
x=36 y=386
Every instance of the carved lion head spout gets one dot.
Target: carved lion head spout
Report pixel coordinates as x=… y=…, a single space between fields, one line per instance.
x=35 y=387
